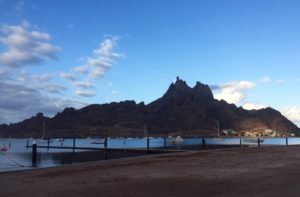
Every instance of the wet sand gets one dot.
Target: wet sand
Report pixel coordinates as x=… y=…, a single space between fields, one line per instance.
x=266 y=171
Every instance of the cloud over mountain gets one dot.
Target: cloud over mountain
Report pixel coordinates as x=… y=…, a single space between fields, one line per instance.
x=292 y=113
x=256 y=105
x=19 y=101
x=23 y=93
x=233 y=92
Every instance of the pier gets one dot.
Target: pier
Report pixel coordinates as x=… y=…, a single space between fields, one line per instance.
x=145 y=150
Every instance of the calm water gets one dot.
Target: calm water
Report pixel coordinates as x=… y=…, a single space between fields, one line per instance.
x=17 y=156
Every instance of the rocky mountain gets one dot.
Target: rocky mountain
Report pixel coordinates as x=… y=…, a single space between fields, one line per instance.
x=182 y=110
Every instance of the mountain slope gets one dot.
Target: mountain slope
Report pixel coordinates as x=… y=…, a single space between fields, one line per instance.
x=182 y=110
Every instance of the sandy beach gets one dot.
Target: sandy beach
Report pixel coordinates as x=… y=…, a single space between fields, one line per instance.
x=266 y=171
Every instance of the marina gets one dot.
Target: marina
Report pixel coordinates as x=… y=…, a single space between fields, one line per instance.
x=16 y=154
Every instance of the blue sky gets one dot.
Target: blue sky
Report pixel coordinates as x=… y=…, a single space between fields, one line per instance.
x=55 y=54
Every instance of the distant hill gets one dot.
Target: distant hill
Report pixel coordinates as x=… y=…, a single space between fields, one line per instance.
x=182 y=110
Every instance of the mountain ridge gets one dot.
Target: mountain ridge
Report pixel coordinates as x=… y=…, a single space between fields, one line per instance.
x=182 y=110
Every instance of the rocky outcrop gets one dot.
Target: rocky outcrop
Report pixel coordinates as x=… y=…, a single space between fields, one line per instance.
x=182 y=110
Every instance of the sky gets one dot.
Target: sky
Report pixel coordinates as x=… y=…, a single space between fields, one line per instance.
x=65 y=53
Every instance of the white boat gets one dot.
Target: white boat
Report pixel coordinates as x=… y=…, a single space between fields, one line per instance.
x=218 y=139
x=43 y=139
x=175 y=140
x=60 y=140
x=98 y=141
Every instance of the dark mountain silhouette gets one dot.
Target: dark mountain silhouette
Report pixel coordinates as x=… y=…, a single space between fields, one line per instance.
x=182 y=110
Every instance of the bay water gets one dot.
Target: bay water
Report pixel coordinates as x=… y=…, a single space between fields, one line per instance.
x=14 y=154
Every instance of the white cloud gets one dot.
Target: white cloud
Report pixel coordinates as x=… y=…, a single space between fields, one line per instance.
x=25 y=46
x=233 y=92
x=102 y=60
x=53 y=88
x=249 y=106
x=292 y=113
x=83 y=84
x=94 y=67
x=265 y=79
x=24 y=94
x=68 y=76
x=40 y=35
x=85 y=93
x=82 y=69
x=40 y=78
x=99 y=72
x=18 y=102
x=40 y=82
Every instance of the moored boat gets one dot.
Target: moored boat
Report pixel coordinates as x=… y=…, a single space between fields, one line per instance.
x=44 y=140
x=175 y=140
x=3 y=149
x=98 y=141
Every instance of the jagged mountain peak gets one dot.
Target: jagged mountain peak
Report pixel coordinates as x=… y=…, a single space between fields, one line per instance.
x=203 y=90
x=178 y=85
x=180 y=89
x=39 y=115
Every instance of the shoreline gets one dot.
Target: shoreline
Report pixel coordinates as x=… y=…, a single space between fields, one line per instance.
x=92 y=162
x=248 y=171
